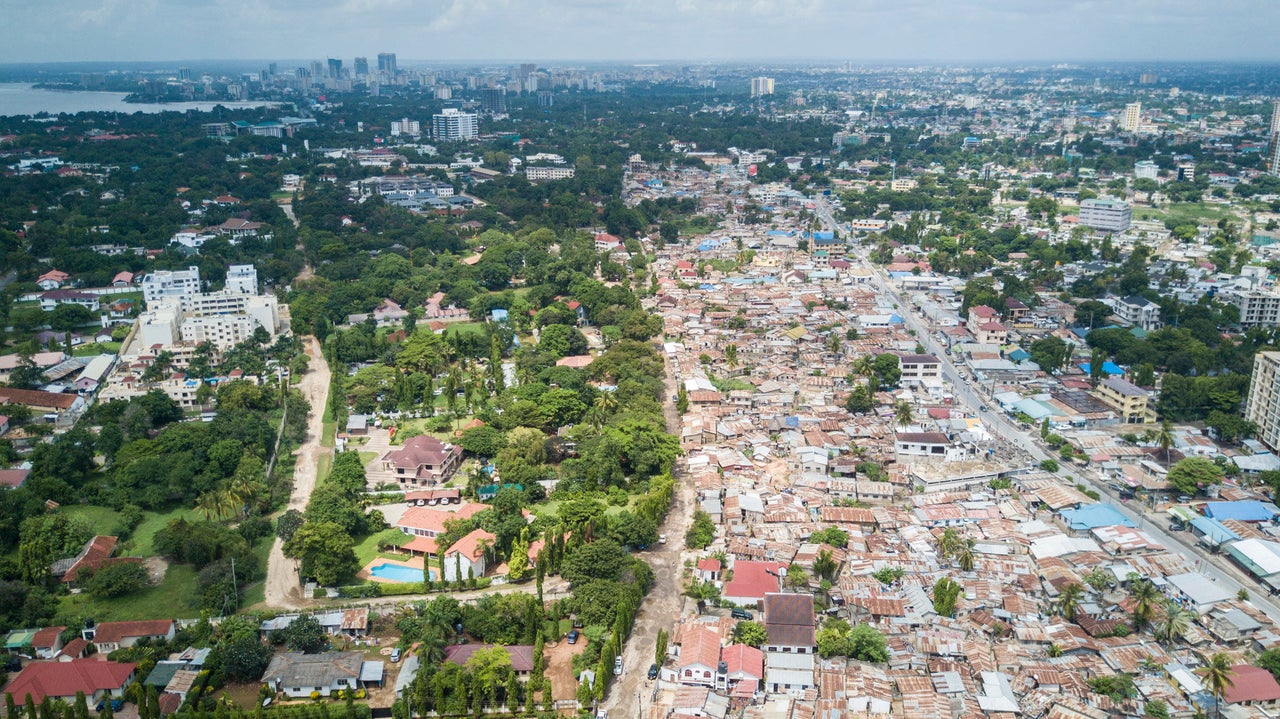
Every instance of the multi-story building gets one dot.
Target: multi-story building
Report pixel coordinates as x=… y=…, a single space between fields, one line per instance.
x=405 y=126
x=1106 y=215
x=493 y=100
x=1258 y=308
x=920 y=369
x=1137 y=311
x=170 y=284
x=454 y=124
x=543 y=172
x=1146 y=170
x=761 y=86
x=1131 y=401
x=242 y=279
x=387 y=63
x=335 y=68
x=1263 y=405
x=791 y=645
x=1132 y=117
x=362 y=67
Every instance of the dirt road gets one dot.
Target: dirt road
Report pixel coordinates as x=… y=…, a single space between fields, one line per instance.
x=282 y=587
x=661 y=608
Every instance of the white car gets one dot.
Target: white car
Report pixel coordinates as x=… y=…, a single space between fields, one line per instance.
x=662 y=539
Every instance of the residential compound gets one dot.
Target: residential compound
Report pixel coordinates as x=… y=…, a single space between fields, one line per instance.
x=178 y=313
x=1263 y=405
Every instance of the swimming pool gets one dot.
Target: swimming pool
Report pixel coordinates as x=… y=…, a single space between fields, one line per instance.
x=397 y=573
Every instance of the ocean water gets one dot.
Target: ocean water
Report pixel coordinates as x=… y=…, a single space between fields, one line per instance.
x=17 y=98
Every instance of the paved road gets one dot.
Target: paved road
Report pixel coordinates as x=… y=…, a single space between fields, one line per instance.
x=1216 y=567
x=283 y=588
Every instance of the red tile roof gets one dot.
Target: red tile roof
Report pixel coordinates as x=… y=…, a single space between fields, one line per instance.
x=47 y=637
x=113 y=632
x=753 y=579
x=699 y=647
x=743 y=659
x=64 y=679
x=469 y=545
x=92 y=557
x=521 y=654
x=432 y=519
x=1251 y=684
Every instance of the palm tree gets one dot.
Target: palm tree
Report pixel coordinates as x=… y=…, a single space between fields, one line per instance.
x=1098 y=579
x=1054 y=651
x=1145 y=598
x=216 y=504
x=607 y=401
x=1217 y=675
x=902 y=413
x=1173 y=624
x=964 y=555
x=731 y=356
x=865 y=366
x=1164 y=438
x=1069 y=600
x=948 y=543
x=825 y=565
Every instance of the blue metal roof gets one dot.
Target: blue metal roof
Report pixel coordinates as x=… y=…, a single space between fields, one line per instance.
x=1214 y=530
x=1244 y=510
x=1092 y=516
x=1107 y=368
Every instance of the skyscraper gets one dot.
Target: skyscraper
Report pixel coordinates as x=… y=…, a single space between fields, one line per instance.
x=1275 y=117
x=1132 y=117
x=387 y=63
x=493 y=100
x=184 y=75
x=335 y=68
x=1273 y=140
x=761 y=86
x=362 y=66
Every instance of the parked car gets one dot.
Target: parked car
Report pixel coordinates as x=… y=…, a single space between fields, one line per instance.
x=662 y=539
x=573 y=636
x=653 y=671
x=741 y=614
x=395 y=655
x=116 y=705
x=617 y=666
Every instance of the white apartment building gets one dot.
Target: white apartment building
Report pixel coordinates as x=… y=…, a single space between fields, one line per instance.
x=543 y=172
x=454 y=124
x=405 y=126
x=242 y=279
x=761 y=86
x=1106 y=215
x=1131 y=120
x=170 y=284
x=1258 y=308
x=1137 y=311
x=1263 y=405
x=1146 y=170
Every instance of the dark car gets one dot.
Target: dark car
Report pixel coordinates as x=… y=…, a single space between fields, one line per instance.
x=653 y=671
x=573 y=636
x=741 y=614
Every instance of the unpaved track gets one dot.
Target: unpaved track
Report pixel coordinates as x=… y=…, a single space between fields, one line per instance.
x=283 y=589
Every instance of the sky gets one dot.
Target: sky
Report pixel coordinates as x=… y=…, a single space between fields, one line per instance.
x=641 y=30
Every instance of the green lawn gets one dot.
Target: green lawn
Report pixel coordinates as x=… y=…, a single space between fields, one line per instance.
x=103 y=520
x=472 y=327
x=90 y=350
x=367 y=550
x=1185 y=212
x=174 y=597
x=367 y=457
x=322 y=468
x=329 y=430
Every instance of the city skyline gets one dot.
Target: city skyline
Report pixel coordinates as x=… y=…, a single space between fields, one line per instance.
x=631 y=30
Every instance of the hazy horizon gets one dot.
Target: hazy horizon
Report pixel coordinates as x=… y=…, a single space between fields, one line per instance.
x=639 y=31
